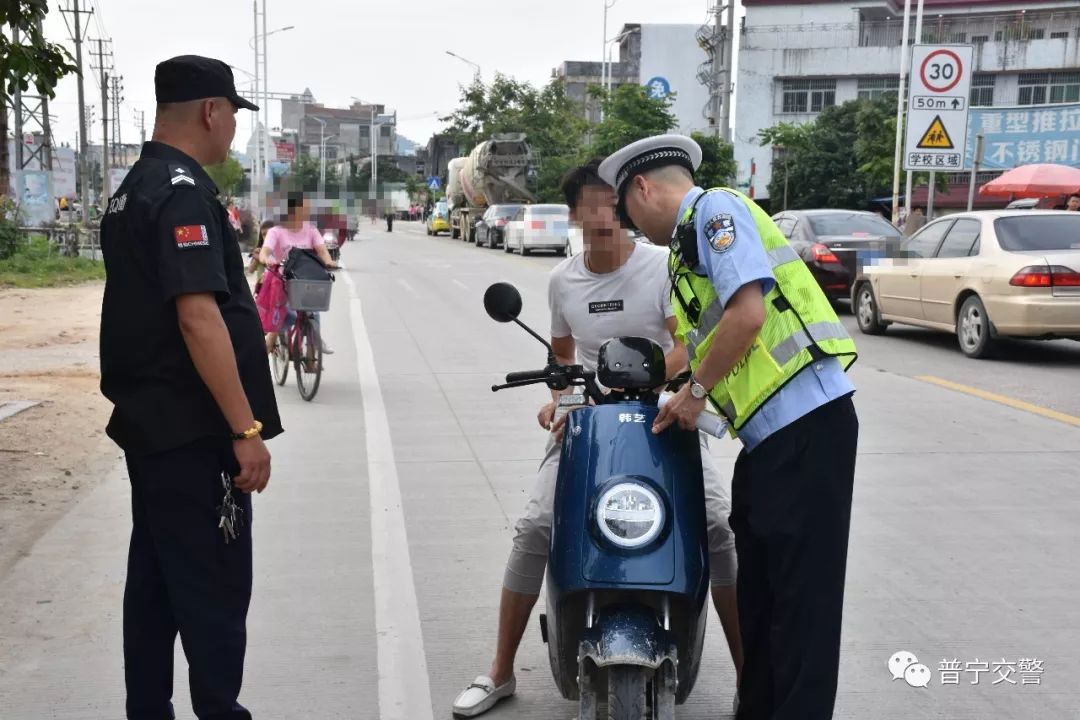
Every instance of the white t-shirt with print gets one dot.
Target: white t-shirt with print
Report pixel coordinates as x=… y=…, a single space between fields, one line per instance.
x=593 y=308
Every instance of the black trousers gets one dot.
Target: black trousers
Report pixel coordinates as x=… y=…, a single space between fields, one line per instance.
x=791 y=511
x=183 y=577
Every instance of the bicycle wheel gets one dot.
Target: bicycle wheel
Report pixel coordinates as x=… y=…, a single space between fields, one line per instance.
x=281 y=358
x=308 y=360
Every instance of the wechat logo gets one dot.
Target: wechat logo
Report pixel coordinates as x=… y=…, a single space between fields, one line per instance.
x=905 y=666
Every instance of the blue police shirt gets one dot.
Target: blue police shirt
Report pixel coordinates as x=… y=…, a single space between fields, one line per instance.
x=732 y=257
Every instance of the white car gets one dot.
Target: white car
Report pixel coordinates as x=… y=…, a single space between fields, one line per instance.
x=539 y=227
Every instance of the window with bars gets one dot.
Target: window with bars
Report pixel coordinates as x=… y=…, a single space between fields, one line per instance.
x=1056 y=87
x=800 y=96
x=873 y=88
x=1060 y=35
x=979 y=39
x=982 y=90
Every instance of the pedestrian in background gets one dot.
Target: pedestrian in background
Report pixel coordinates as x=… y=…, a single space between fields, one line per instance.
x=1074 y=202
x=183 y=363
x=915 y=221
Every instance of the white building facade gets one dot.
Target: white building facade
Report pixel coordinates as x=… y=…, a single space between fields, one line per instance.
x=665 y=58
x=797 y=58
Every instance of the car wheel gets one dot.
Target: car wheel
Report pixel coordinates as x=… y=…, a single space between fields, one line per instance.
x=973 y=329
x=525 y=251
x=506 y=247
x=866 y=311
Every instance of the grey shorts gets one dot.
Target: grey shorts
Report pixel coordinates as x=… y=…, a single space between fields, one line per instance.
x=532 y=533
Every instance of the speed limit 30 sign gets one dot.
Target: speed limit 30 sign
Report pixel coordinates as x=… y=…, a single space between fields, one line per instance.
x=938 y=107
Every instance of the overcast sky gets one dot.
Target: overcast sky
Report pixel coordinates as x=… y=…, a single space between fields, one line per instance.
x=391 y=51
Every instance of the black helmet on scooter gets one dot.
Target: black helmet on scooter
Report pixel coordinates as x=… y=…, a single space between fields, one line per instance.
x=631 y=363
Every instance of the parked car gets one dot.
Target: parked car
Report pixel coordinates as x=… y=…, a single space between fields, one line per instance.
x=491 y=227
x=982 y=275
x=539 y=227
x=835 y=244
x=439 y=220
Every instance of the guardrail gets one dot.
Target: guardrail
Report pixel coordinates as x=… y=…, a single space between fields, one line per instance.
x=68 y=240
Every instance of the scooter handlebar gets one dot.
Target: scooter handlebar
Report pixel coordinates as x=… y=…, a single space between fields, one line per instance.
x=528 y=376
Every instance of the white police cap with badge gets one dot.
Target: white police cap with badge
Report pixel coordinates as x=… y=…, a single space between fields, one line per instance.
x=649 y=154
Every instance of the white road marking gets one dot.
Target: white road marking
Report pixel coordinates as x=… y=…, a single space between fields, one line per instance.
x=460 y=284
x=406 y=285
x=404 y=692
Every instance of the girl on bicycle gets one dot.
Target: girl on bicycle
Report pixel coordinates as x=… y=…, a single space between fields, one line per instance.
x=295 y=232
x=255 y=265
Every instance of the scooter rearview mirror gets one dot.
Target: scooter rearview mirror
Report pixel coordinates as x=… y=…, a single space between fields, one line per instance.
x=502 y=302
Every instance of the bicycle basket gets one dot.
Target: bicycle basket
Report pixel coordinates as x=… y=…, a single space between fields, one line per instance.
x=309 y=295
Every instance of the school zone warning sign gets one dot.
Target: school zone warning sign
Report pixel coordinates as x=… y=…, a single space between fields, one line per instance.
x=936 y=137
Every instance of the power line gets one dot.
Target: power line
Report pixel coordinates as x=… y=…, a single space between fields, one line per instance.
x=77 y=37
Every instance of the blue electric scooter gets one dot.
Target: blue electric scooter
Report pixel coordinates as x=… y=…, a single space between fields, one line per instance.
x=627 y=578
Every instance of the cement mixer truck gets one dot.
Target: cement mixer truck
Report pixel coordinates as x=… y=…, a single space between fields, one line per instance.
x=494 y=173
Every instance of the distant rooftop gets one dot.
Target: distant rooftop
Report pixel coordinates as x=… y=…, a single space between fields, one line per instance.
x=899 y=4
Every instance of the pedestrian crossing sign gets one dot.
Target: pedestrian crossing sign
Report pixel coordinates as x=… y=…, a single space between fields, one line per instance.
x=936 y=137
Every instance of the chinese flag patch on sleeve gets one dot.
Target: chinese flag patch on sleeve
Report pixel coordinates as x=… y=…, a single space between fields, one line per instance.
x=188 y=236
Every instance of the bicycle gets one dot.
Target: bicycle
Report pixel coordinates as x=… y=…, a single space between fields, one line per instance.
x=301 y=344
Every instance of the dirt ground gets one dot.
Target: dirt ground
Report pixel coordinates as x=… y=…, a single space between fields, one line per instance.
x=53 y=453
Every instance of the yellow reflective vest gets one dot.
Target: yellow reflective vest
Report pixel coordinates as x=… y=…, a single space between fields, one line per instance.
x=800 y=327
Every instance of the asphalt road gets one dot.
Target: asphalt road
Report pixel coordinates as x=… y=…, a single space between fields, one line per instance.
x=381 y=542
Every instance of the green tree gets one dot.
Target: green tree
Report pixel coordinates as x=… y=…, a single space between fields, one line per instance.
x=228 y=176
x=31 y=60
x=629 y=114
x=843 y=159
x=413 y=186
x=718 y=165
x=304 y=176
x=359 y=180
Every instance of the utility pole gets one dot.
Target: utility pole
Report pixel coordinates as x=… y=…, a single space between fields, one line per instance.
x=141 y=119
x=104 y=70
x=84 y=196
x=31 y=109
x=118 y=155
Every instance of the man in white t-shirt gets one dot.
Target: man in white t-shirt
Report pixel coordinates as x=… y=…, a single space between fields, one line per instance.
x=615 y=288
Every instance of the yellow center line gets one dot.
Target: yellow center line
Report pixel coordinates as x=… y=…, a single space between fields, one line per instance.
x=1002 y=399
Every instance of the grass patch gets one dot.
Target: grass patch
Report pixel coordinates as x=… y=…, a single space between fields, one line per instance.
x=33 y=266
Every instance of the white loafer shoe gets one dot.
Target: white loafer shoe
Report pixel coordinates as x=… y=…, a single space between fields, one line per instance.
x=481 y=696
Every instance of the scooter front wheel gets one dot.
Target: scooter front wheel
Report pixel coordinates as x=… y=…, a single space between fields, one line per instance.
x=626 y=692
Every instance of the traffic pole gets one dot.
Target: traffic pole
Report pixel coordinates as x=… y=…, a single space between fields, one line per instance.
x=905 y=54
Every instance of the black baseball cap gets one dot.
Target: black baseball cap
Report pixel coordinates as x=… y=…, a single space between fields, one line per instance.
x=193 y=77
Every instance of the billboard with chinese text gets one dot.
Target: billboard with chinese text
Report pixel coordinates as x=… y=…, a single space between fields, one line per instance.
x=1026 y=134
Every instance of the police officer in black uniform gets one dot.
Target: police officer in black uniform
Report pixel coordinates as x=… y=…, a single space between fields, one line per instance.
x=184 y=364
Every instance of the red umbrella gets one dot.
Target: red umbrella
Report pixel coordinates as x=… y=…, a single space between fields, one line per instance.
x=1038 y=180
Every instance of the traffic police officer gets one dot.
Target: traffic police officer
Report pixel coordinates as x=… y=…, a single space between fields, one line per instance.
x=769 y=352
x=183 y=362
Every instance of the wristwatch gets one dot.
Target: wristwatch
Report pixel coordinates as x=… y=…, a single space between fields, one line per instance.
x=699 y=391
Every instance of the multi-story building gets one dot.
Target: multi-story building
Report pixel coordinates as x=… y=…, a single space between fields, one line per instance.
x=667 y=59
x=345 y=132
x=797 y=57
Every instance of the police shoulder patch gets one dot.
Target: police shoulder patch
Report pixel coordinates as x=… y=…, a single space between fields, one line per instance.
x=720 y=232
x=180 y=175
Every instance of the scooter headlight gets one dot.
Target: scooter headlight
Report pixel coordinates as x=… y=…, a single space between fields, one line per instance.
x=630 y=515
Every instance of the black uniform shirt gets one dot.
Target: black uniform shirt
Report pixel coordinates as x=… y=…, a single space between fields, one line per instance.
x=166 y=234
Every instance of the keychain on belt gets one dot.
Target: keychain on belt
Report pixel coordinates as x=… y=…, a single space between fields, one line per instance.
x=232 y=516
